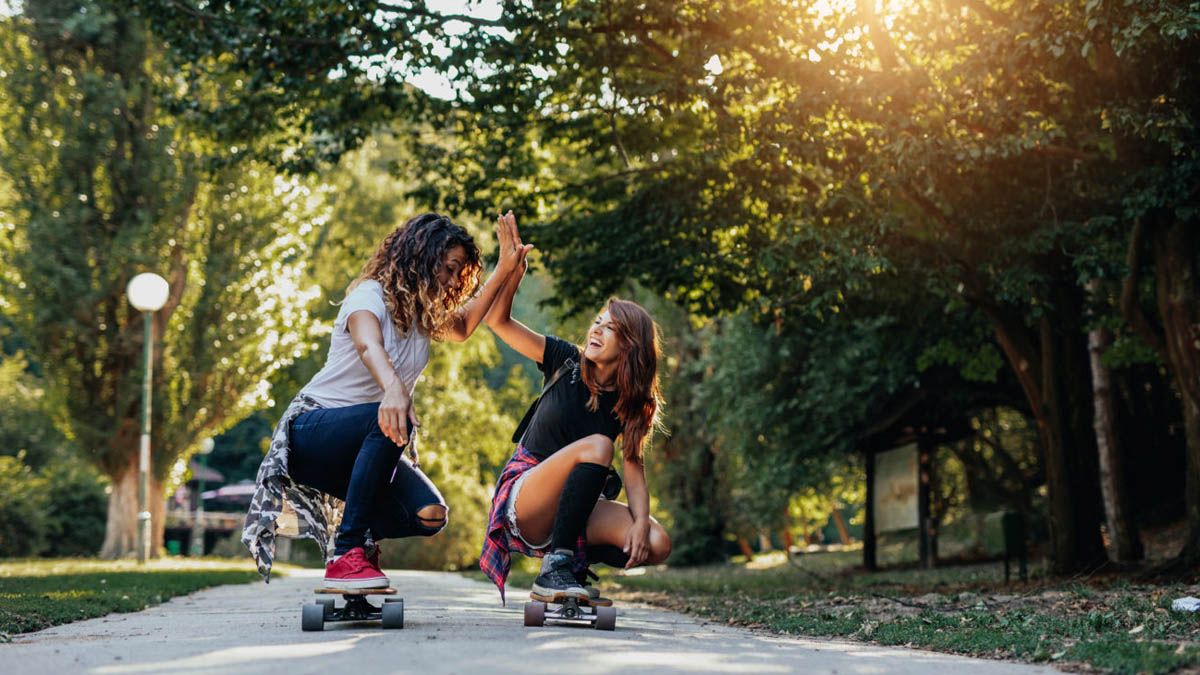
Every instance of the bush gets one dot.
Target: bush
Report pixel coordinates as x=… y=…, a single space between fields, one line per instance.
x=76 y=510
x=22 y=509
x=58 y=511
x=27 y=426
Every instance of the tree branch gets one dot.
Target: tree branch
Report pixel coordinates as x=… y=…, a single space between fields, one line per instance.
x=1130 y=308
x=884 y=47
x=207 y=16
x=598 y=181
x=616 y=87
x=929 y=208
x=413 y=11
x=982 y=9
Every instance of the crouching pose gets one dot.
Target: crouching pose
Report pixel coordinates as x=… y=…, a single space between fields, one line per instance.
x=548 y=500
x=344 y=434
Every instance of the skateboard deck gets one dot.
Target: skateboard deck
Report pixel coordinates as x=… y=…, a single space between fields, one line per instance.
x=357 y=608
x=572 y=611
x=355 y=591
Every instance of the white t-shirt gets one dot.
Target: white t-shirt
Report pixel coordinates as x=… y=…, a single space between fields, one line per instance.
x=345 y=380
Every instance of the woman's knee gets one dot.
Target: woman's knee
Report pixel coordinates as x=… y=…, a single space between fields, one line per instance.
x=432 y=518
x=596 y=448
x=660 y=544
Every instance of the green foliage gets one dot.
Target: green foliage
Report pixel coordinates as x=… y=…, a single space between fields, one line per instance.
x=28 y=425
x=56 y=511
x=777 y=159
x=104 y=183
x=52 y=504
x=23 y=517
x=74 y=503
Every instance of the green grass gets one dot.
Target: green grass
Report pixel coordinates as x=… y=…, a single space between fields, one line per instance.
x=37 y=594
x=1111 y=625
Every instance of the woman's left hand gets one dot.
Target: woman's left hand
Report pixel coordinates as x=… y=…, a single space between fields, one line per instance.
x=637 y=543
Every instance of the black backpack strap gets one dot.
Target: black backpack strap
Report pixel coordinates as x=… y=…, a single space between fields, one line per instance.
x=519 y=434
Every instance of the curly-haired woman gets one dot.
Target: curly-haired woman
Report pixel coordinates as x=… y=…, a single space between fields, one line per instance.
x=343 y=435
x=548 y=497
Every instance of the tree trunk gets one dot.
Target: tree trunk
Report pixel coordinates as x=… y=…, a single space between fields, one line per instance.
x=1175 y=257
x=120 y=534
x=1125 y=545
x=840 y=522
x=764 y=542
x=1074 y=486
x=870 y=560
x=1051 y=368
x=926 y=547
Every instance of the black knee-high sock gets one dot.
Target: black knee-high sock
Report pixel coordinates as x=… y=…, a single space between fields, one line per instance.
x=578 y=498
x=608 y=554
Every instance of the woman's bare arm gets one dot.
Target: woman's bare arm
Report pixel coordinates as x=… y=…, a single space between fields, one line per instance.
x=396 y=407
x=499 y=317
x=637 y=541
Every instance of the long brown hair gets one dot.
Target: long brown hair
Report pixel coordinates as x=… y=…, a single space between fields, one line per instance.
x=639 y=403
x=406 y=264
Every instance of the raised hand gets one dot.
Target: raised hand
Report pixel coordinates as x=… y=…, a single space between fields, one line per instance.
x=506 y=226
x=512 y=251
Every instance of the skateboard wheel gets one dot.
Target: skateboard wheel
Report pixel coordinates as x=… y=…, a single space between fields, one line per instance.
x=327 y=603
x=535 y=614
x=312 y=617
x=606 y=618
x=393 y=614
x=386 y=600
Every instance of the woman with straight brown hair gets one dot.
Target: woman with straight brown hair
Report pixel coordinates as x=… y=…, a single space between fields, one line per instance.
x=548 y=501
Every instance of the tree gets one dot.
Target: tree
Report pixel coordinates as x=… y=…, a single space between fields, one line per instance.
x=724 y=153
x=106 y=184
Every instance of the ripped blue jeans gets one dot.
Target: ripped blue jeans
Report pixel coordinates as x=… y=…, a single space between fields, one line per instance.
x=343 y=452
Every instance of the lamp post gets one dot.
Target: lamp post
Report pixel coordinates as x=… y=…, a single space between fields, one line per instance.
x=148 y=293
x=197 y=546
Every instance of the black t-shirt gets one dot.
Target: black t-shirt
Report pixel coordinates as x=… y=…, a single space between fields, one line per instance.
x=563 y=417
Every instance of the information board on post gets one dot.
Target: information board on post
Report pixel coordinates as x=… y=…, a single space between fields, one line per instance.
x=896 y=489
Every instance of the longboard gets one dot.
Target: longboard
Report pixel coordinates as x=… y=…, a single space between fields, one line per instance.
x=391 y=613
x=572 y=610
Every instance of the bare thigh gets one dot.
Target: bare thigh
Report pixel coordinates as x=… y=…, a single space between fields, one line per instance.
x=537 y=502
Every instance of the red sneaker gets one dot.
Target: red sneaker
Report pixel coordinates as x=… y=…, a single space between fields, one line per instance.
x=352 y=570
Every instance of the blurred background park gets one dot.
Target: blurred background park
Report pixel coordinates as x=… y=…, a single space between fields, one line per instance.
x=962 y=228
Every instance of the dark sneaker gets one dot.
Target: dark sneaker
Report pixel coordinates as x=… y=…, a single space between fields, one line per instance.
x=556 y=582
x=353 y=571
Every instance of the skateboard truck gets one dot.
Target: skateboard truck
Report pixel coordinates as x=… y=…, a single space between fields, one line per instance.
x=570 y=610
x=357 y=608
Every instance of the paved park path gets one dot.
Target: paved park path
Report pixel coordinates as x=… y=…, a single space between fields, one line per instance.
x=452 y=625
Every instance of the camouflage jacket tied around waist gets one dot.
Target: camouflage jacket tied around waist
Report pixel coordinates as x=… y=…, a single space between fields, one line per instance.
x=282 y=507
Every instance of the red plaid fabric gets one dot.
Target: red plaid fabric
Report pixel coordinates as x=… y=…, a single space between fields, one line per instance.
x=496 y=560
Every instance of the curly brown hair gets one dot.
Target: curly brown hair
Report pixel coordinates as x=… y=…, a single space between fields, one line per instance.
x=406 y=264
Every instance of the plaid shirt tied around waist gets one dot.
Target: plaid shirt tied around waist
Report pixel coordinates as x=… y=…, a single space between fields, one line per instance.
x=496 y=560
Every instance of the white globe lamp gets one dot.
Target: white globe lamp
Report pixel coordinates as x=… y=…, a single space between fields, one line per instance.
x=148 y=292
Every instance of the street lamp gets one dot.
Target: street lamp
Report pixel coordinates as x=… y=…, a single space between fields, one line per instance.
x=197 y=546
x=148 y=293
